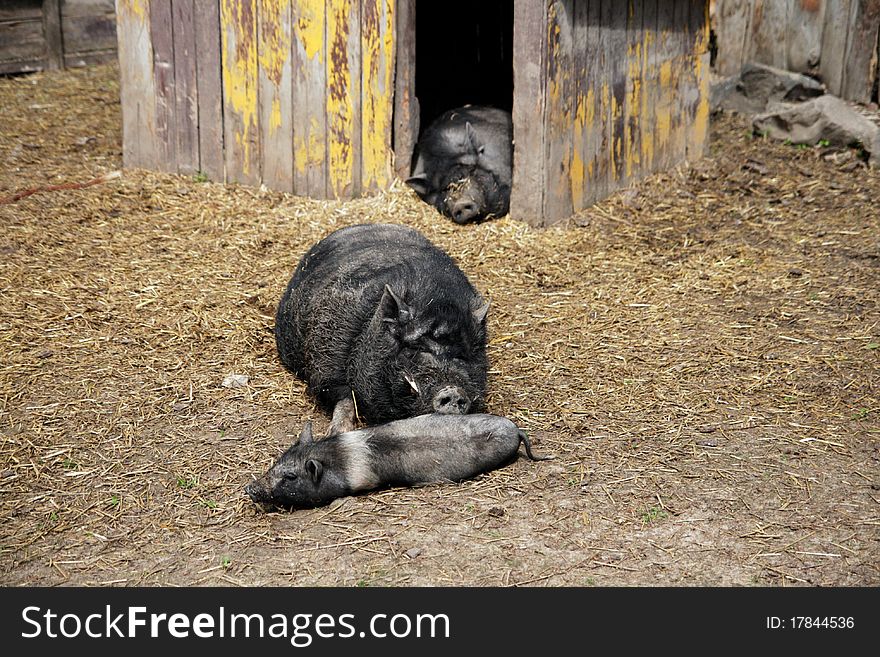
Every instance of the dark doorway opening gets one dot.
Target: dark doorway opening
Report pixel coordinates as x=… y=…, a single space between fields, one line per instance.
x=464 y=55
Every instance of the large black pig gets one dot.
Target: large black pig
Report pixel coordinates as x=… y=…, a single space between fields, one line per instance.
x=464 y=163
x=381 y=323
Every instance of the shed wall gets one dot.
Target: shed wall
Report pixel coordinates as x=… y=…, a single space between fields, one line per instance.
x=293 y=94
x=620 y=90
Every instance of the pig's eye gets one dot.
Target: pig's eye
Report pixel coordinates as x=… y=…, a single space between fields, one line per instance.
x=290 y=476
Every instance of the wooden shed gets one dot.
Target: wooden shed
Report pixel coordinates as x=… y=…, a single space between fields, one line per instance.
x=325 y=98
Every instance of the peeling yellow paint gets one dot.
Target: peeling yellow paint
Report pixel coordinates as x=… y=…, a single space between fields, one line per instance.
x=699 y=128
x=274 y=58
x=588 y=176
x=377 y=33
x=274 y=40
x=576 y=173
x=308 y=147
x=139 y=8
x=275 y=116
x=310 y=27
x=664 y=106
x=634 y=73
x=605 y=158
x=616 y=140
x=648 y=108
x=239 y=62
x=340 y=111
x=590 y=116
x=577 y=179
x=308 y=139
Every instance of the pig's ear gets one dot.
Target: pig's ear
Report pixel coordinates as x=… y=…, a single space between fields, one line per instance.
x=479 y=309
x=305 y=436
x=420 y=184
x=474 y=140
x=393 y=309
x=314 y=469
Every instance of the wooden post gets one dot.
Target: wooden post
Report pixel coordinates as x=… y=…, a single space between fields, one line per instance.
x=406 y=105
x=529 y=83
x=559 y=111
x=53 y=34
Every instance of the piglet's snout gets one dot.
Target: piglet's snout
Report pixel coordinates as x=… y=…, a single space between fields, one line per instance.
x=257 y=491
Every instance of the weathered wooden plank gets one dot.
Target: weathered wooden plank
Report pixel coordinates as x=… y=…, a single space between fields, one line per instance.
x=617 y=54
x=632 y=130
x=161 y=35
x=21 y=10
x=275 y=94
x=186 y=101
x=53 y=35
x=834 y=45
x=860 y=69
x=805 y=23
x=22 y=45
x=137 y=87
x=558 y=111
x=70 y=8
x=664 y=56
x=89 y=27
x=604 y=121
x=732 y=32
x=343 y=98
x=240 y=91
x=406 y=104
x=594 y=119
x=583 y=97
x=697 y=106
x=682 y=82
x=309 y=99
x=377 y=103
x=769 y=34
x=647 y=117
x=210 y=95
x=529 y=82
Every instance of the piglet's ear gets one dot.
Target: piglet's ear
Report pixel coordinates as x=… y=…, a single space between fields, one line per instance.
x=392 y=308
x=479 y=309
x=474 y=140
x=314 y=469
x=305 y=436
x=420 y=184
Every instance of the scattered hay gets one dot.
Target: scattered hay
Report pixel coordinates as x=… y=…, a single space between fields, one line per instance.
x=700 y=352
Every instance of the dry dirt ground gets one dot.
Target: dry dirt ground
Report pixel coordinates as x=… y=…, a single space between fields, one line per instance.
x=701 y=353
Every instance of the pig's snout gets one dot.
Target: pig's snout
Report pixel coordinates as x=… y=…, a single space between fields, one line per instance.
x=257 y=491
x=463 y=210
x=452 y=400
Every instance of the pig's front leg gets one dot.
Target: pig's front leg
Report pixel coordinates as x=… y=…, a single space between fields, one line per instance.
x=343 y=417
